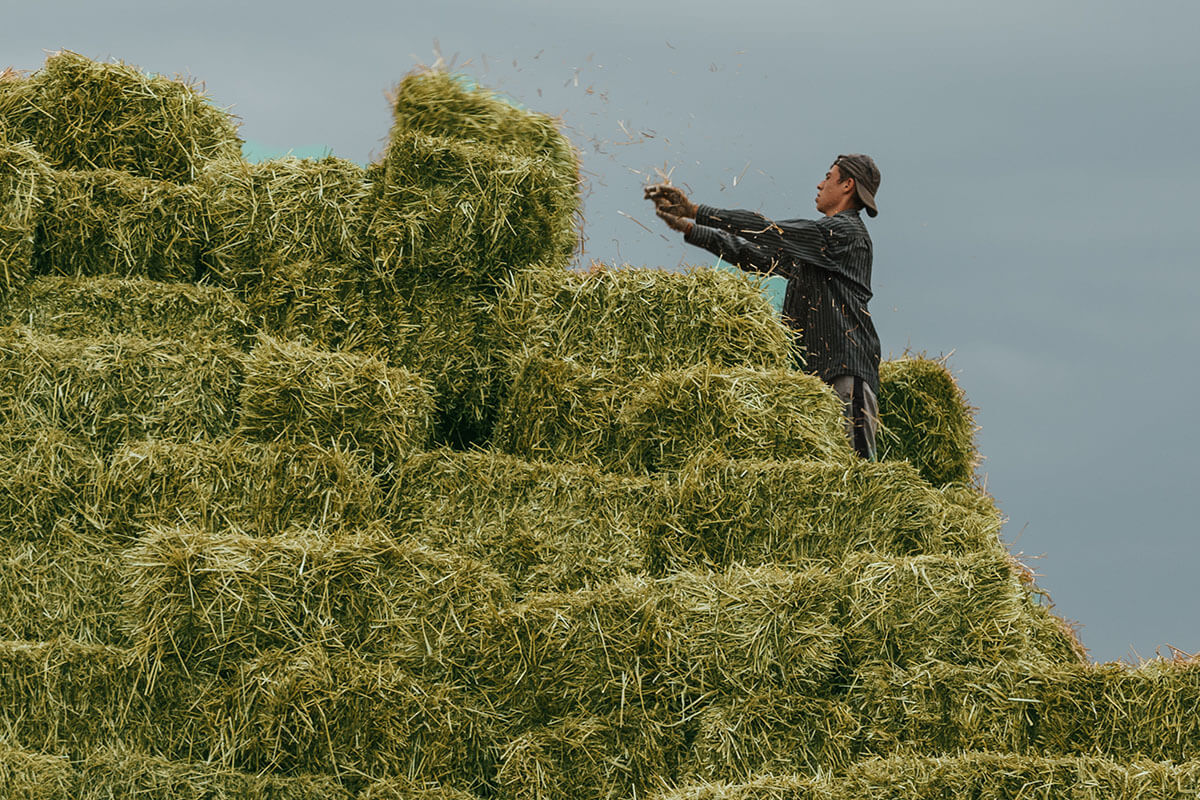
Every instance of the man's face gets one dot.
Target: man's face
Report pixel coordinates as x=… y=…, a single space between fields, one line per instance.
x=832 y=191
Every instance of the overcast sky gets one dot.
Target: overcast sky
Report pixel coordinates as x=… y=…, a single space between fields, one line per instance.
x=1037 y=207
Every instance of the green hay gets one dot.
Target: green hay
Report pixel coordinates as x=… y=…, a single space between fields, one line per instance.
x=399 y=789
x=17 y=96
x=453 y=211
x=340 y=715
x=81 y=114
x=667 y=644
x=1109 y=710
x=65 y=585
x=907 y=611
x=322 y=304
x=640 y=321
x=26 y=187
x=104 y=221
x=591 y=758
x=760 y=512
x=287 y=209
x=559 y=410
x=772 y=732
x=298 y=394
x=545 y=527
x=68 y=699
x=443 y=334
x=438 y=104
x=46 y=472
x=106 y=306
x=118 y=389
x=975 y=775
x=117 y=773
x=202 y=597
x=261 y=489
x=925 y=418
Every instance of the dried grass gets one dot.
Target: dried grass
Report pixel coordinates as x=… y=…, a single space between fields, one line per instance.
x=26 y=189
x=925 y=418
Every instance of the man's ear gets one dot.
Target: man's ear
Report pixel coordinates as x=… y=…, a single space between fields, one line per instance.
x=849 y=184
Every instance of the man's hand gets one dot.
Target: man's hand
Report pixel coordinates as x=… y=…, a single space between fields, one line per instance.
x=676 y=223
x=671 y=200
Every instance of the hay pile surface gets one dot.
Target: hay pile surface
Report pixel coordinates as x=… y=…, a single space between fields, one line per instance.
x=333 y=481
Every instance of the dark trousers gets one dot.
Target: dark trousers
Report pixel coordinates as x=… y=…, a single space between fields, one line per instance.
x=862 y=413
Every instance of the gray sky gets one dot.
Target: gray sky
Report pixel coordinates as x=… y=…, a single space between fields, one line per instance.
x=1036 y=209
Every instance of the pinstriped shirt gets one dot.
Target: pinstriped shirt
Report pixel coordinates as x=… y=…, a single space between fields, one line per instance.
x=827 y=263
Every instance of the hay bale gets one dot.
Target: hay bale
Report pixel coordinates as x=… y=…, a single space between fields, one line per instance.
x=466 y=213
x=908 y=610
x=297 y=394
x=758 y=512
x=68 y=699
x=322 y=304
x=560 y=410
x=1005 y=775
x=772 y=732
x=735 y=413
x=45 y=473
x=1110 y=710
x=260 y=489
x=82 y=114
x=106 y=306
x=443 y=333
x=105 y=221
x=17 y=98
x=285 y=209
x=591 y=758
x=26 y=188
x=925 y=418
x=202 y=597
x=743 y=630
x=116 y=772
x=338 y=714
x=115 y=390
x=546 y=527
x=438 y=104
x=640 y=321
x=765 y=787
x=66 y=585
x=401 y=789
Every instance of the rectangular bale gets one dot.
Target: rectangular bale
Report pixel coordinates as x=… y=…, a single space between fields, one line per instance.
x=443 y=333
x=640 y=321
x=585 y=757
x=115 y=772
x=908 y=610
x=83 y=114
x=108 y=305
x=66 y=585
x=27 y=187
x=65 y=698
x=303 y=395
x=46 y=476
x=561 y=410
x=199 y=597
x=749 y=629
x=403 y=789
x=924 y=418
x=322 y=303
x=285 y=209
x=257 y=488
x=113 y=390
x=339 y=714
x=732 y=413
x=437 y=104
x=741 y=736
x=757 y=512
x=103 y=221
x=1005 y=775
x=466 y=213
x=547 y=527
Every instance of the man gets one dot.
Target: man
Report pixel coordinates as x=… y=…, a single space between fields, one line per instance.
x=827 y=263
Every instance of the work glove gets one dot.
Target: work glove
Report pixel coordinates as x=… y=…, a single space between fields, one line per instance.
x=674 y=222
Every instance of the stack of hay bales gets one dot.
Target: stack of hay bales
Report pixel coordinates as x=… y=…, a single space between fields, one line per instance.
x=238 y=560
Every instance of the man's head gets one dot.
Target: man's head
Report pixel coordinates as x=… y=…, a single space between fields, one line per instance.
x=850 y=183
